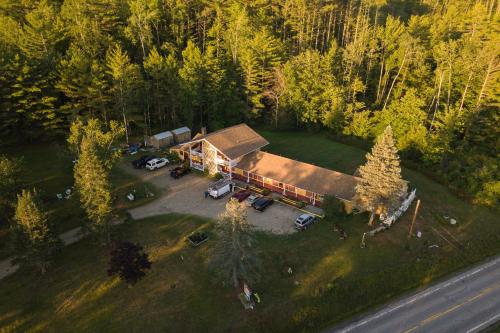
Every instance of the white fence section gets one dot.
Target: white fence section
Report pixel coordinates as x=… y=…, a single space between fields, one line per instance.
x=388 y=221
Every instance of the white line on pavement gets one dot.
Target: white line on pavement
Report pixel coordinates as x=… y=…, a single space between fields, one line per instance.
x=476 y=328
x=423 y=294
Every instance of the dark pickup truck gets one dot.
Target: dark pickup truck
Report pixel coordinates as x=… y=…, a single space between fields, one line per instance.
x=179 y=172
x=141 y=162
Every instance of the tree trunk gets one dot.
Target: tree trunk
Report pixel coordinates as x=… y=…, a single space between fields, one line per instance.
x=437 y=99
x=481 y=95
x=380 y=79
x=372 y=218
x=394 y=81
x=464 y=93
x=125 y=122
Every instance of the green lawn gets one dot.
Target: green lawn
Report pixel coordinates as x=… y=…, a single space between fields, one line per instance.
x=48 y=167
x=332 y=279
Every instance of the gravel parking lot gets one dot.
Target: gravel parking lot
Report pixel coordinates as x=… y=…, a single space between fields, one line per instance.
x=186 y=195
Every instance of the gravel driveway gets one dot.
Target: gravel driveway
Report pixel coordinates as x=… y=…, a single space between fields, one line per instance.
x=186 y=195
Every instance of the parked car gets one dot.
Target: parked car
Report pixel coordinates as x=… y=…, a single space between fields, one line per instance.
x=262 y=203
x=179 y=171
x=241 y=195
x=304 y=221
x=141 y=162
x=251 y=199
x=156 y=163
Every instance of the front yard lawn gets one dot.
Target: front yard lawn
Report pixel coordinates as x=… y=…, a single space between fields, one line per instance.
x=48 y=167
x=331 y=278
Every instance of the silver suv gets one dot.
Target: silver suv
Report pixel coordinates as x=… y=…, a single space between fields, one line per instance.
x=304 y=220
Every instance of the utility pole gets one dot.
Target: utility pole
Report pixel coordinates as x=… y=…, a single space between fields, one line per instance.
x=414 y=218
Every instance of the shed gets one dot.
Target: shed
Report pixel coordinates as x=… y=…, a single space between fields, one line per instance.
x=182 y=134
x=161 y=140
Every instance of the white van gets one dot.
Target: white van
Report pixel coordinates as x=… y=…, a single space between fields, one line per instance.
x=156 y=163
x=220 y=188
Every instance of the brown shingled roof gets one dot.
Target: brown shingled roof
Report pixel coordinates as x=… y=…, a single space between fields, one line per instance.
x=235 y=141
x=299 y=174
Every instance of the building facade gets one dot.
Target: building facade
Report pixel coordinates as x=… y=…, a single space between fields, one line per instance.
x=235 y=152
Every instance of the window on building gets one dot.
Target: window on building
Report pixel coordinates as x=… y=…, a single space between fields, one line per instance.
x=301 y=192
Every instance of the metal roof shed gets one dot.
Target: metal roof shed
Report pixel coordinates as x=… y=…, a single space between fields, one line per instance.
x=161 y=140
x=182 y=134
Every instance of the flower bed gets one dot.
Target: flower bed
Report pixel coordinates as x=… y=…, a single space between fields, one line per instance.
x=197 y=238
x=292 y=202
x=262 y=191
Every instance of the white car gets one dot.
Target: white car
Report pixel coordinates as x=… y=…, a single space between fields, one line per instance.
x=156 y=163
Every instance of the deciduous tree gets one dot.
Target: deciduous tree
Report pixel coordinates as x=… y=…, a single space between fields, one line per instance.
x=129 y=262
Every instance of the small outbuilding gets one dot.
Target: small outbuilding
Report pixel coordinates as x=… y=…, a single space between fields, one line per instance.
x=162 y=140
x=182 y=134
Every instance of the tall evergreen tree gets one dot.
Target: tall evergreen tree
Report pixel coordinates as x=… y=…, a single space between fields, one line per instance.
x=163 y=74
x=125 y=83
x=10 y=172
x=235 y=256
x=82 y=80
x=94 y=188
x=381 y=187
x=33 y=239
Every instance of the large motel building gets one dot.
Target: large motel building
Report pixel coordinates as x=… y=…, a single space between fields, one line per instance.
x=235 y=152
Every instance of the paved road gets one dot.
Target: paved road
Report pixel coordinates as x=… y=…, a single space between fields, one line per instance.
x=468 y=302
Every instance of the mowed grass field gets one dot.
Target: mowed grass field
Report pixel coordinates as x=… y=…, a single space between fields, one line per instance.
x=331 y=279
x=48 y=168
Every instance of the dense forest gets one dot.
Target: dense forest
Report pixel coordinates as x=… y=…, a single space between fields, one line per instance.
x=351 y=67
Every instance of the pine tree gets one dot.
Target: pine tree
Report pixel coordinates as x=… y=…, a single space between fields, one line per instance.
x=82 y=80
x=103 y=140
x=257 y=60
x=33 y=240
x=125 y=82
x=94 y=187
x=234 y=256
x=381 y=187
x=165 y=81
x=10 y=171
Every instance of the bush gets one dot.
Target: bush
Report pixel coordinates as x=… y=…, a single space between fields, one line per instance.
x=293 y=202
x=172 y=157
x=333 y=208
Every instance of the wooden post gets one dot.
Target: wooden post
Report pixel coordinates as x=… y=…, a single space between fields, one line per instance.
x=414 y=218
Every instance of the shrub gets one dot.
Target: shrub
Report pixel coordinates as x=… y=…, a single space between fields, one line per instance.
x=172 y=157
x=333 y=208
